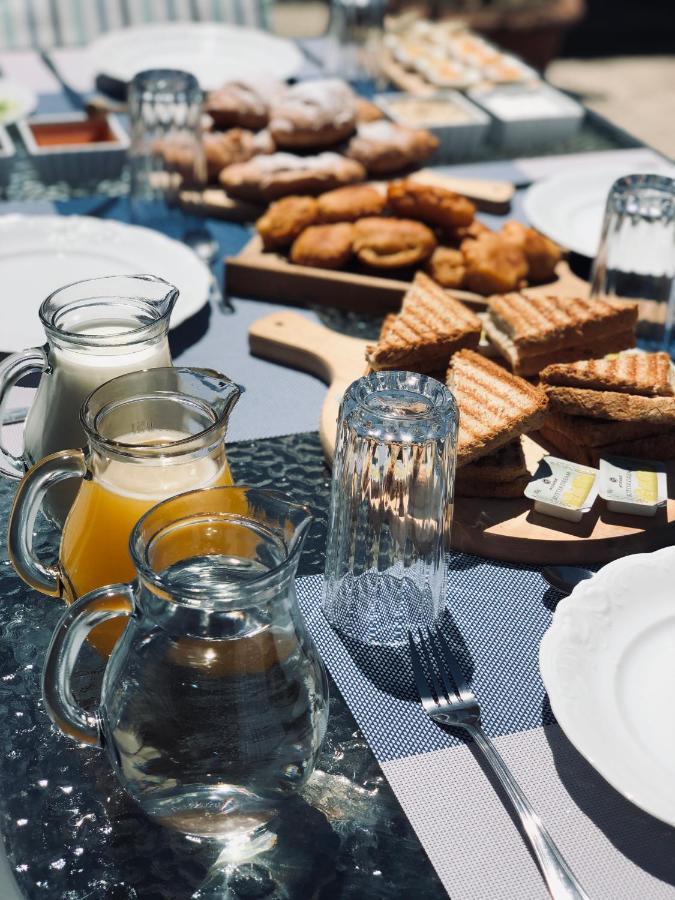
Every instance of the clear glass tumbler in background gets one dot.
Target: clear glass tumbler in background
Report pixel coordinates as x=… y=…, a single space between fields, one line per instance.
x=636 y=258
x=166 y=154
x=354 y=34
x=391 y=506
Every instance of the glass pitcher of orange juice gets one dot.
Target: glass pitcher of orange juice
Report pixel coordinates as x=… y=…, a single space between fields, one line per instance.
x=150 y=435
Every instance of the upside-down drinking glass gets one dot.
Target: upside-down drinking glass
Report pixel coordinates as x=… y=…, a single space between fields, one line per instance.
x=636 y=258
x=391 y=506
x=166 y=153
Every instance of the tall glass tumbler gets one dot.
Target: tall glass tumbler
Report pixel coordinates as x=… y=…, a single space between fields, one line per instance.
x=166 y=153
x=636 y=257
x=391 y=507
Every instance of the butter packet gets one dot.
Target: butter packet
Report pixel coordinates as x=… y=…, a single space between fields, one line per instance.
x=637 y=487
x=563 y=489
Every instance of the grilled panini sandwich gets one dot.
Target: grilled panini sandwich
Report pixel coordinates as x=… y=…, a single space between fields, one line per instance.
x=431 y=326
x=495 y=407
x=623 y=406
x=533 y=332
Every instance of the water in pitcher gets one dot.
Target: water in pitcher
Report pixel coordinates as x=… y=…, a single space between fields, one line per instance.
x=255 y=682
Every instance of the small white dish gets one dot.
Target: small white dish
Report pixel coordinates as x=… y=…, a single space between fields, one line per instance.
x=608 y=665
x=7 y=153
x=16 y=101
x=75 y=163
x=570 y=207
x=525 y=116
x=457 y=138
x=41 y=253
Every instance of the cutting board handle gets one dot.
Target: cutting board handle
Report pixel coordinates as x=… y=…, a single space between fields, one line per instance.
x=293 y=340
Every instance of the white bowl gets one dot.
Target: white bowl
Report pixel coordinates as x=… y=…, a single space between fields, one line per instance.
x=75 y=163
x=7 y=153
x=526 y=117
x=456 y=139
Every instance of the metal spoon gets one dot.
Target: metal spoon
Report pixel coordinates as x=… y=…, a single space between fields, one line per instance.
x=565 y=578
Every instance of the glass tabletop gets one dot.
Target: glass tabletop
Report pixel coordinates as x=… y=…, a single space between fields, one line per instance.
x=71 y=832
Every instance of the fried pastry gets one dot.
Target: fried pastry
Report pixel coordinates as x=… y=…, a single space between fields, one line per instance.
x=541 y=253
x=446 y=267
x=347 y=204
x=384 y=147
x=493 y=265
x=367 y=111
x=242 y=104
x=392 y=243
x=454 y=236
x=285 y=220
x=280 y=174
x=223 y=148
x=324 y=246
x=434 y=205
x=313 y=114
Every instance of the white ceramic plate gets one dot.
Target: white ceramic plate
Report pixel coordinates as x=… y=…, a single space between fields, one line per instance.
x=570 y=207
x=16 y=101
x=213 y=53
x=608 y=664
x=41 y=253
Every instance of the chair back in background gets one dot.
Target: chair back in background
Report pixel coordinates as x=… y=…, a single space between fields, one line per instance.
x=63 y=23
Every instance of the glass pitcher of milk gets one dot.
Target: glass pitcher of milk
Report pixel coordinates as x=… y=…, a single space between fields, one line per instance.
x=96 y=330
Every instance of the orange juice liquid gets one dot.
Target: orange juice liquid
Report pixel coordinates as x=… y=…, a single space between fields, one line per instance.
x=95 y=541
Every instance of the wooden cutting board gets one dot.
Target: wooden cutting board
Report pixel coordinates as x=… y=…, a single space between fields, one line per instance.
x=499 y=529
x=270 y=276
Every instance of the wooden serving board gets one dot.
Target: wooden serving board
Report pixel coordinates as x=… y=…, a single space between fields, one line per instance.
x=487 y=196
x=271 y=276
x=505 y=529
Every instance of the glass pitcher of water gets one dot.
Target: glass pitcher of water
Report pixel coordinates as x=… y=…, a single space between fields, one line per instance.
x=214 y=702
x=96 y=329
x=150 y=435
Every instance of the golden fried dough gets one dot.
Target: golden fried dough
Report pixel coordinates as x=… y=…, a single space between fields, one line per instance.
x=541 y=253
x=446 y=267
x=285 y=220
x=392 y=243
x=325 y=246
x=454 y=236
x=493 y=265
x=433 y=205
x=347 y=204
x=366 y=111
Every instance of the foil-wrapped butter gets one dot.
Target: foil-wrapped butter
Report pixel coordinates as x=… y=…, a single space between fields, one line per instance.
x=637 y=487
x=563 y=489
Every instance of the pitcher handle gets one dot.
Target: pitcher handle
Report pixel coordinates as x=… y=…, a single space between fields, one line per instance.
x=29 y=497
x=13 y=369
x=75 y=624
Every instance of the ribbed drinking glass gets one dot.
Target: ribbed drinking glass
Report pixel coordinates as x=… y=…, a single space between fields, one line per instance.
x=391 y=506
x=636 y=257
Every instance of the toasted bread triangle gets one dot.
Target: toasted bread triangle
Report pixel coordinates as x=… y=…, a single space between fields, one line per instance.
x=495 y=407
x=431 y=326
x=646 y=374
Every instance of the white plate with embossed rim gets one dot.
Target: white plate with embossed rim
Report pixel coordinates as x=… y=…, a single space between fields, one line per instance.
x=569 y=207
x=39 y=254
x=212 y=52
x=608 y=665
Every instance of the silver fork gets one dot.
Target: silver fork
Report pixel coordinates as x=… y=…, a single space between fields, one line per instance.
x=451 y=702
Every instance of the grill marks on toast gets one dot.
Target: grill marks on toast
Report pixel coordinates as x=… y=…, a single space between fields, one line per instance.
x=646 y=374
x=611 y=405
x=495 y=407
x=431 y=326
